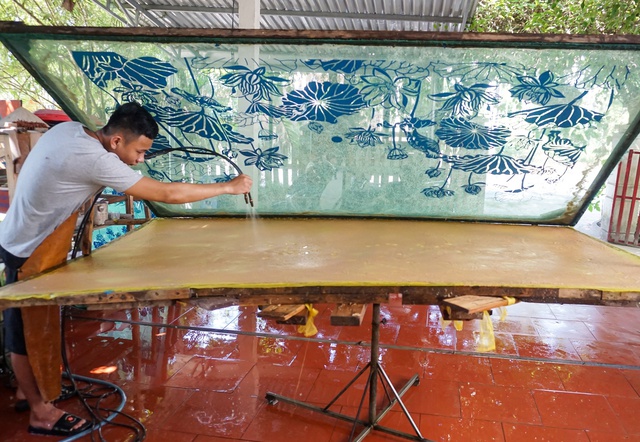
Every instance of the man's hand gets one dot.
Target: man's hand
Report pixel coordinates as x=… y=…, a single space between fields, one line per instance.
x=240 y=184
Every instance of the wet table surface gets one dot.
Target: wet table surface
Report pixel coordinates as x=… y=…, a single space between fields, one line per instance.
x=169 y=256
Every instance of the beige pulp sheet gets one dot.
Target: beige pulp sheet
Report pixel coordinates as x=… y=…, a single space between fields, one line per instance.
x=178 y=258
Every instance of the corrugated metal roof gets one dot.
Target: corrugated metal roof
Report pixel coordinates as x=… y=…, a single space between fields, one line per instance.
x=369 y=15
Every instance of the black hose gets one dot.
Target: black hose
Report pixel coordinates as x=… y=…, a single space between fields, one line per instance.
x=95 y=411
x=200 y=151
x=83 y=225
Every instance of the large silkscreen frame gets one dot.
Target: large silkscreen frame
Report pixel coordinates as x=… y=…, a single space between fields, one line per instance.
x=412 y=125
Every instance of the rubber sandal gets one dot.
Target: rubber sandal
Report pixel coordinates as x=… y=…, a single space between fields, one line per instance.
x=63 y=427
x=67 y=392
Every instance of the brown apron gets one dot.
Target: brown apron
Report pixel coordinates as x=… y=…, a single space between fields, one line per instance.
x=42 y=323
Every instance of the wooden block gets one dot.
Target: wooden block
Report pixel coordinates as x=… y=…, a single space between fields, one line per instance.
x=456 y=314
x=297 y=319
x=348 y=314
x=475 y=304
x=214 y=303
x=281 y=312
x=24 y=144
x=127 y=305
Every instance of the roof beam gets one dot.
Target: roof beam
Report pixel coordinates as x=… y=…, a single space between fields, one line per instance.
x=109 y=7
x=140 y=9
x=317 y=14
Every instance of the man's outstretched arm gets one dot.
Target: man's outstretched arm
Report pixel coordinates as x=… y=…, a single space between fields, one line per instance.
x=179 y=193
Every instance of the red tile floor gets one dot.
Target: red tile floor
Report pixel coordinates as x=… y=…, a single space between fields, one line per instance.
x=559 y=373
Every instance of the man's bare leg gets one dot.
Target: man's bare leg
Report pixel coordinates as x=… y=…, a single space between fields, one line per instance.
x=43 y=414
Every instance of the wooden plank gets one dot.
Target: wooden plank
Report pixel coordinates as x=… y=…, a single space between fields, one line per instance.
x=345 y=266
x=297 y=319
x=243 y=297
x=214 y=303
x=86 y=241
x=475 y=304
x=297 y=295
x=123 y=222
x=128 y=305
x=579 y=294
x=156 y=34
x=454 y=314
x=434 y=295
x=348 y=314
x=9 y=160
x=281 y=312
x=24 y=144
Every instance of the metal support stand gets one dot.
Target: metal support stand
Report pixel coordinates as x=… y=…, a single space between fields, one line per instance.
x=374 y=416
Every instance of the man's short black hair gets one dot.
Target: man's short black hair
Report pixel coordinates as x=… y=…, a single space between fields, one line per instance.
x=132 y=118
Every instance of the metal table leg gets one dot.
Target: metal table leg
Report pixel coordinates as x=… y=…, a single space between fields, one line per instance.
x=376 y=373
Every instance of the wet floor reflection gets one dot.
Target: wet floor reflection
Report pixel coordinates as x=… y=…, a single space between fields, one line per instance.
x=196 y=372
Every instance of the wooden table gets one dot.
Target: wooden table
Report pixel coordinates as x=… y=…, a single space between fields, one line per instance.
x=297 y=260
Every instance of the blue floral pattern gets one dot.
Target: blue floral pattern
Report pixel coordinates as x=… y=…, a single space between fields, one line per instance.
x=465 y=102
x=145 y=72
x=267 y=160
x=462 y=130
x=381 y=89
x=253 y=84
x=363 y=137
x=323 y=102
x=457 y=132
x=537 y=90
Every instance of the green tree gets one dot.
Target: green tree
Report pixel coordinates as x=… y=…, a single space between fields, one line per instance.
x=15 y=82
x=557 y=16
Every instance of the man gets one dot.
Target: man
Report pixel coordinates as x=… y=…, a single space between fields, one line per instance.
x=69 y=164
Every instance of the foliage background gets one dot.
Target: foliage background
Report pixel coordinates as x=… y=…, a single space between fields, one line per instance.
x=15 y=82
x=557 y=16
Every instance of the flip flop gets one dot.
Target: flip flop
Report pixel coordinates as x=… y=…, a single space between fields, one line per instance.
x=67 y=392
x=64 y=427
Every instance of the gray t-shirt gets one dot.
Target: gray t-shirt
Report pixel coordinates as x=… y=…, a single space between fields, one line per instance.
x=65 y=168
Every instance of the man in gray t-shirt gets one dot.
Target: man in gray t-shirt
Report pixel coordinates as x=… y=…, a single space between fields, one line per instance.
x=68 y=165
